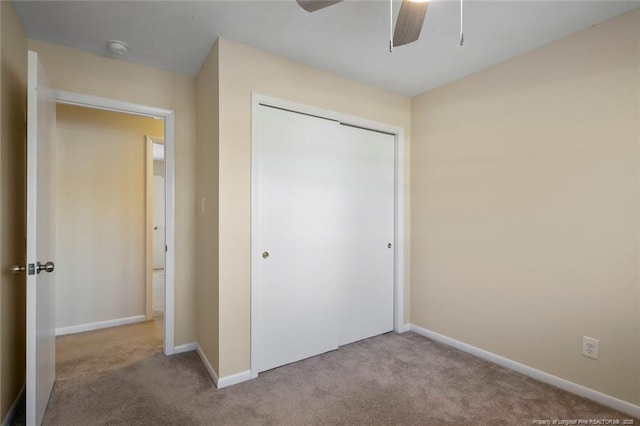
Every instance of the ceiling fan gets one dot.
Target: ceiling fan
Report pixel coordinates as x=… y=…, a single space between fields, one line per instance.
x=408 y=24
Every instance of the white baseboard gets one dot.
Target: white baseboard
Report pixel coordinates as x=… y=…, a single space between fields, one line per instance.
x=604 y=399
x=404 y=328
x=207 y=364
x=234 y=379
x=14 y=407
x=187 y=347
x=98 y=325
x=222 y=382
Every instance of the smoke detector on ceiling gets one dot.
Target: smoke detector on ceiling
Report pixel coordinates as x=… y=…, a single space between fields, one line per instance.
x=117 y=47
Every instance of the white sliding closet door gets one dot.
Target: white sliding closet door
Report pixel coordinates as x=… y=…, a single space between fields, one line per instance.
x=366 y=285
x=323 y=271
x=299 y=226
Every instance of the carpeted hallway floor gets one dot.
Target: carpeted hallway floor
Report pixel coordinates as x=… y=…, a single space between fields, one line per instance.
x=120 y=377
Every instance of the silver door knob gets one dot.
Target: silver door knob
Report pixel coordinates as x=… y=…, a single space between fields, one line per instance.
x=265 y=254
x=47 y=267
x=17 y=269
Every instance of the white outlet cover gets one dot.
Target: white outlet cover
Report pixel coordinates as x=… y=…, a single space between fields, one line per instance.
x=590 y=347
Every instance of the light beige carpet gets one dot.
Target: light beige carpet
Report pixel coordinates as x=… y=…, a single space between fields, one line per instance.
x=120 y=377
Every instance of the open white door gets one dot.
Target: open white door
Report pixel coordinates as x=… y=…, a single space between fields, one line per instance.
x=158 y=222
x=41 y=121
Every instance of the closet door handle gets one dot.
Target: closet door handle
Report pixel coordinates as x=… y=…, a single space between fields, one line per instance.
x=47 y=267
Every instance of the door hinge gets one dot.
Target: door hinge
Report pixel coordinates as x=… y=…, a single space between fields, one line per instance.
x=31 y=270
x=166 y=249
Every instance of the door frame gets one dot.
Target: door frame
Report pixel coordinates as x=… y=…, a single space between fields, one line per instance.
x=96 y=102
x=399 y=283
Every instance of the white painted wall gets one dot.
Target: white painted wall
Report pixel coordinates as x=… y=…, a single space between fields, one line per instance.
x=100 y=215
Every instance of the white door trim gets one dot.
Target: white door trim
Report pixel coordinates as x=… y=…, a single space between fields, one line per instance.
x=399 y=261
x=168 y=116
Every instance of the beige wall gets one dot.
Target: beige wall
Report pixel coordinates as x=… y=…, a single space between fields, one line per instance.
x=244 y=70
x=13 y=81
x=207 y=84
x=525 y=217
x=73 y=70
x=100 y=214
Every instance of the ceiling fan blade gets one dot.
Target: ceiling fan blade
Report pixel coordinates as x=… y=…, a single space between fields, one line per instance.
x=313 y=5
x=409 y=22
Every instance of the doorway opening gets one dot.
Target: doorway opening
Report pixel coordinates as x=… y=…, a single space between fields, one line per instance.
x=145 y=171
x=110 y=303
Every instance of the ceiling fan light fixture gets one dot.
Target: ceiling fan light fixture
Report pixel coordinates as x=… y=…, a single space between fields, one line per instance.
x=117 y=47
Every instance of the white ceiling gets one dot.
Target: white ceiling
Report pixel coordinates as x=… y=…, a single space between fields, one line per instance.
x=350 y=39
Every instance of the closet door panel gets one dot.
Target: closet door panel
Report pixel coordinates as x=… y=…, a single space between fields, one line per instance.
x=366 y=284
x=299 y=233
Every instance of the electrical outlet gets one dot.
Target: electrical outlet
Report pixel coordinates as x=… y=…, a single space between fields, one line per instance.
x=590 y=347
